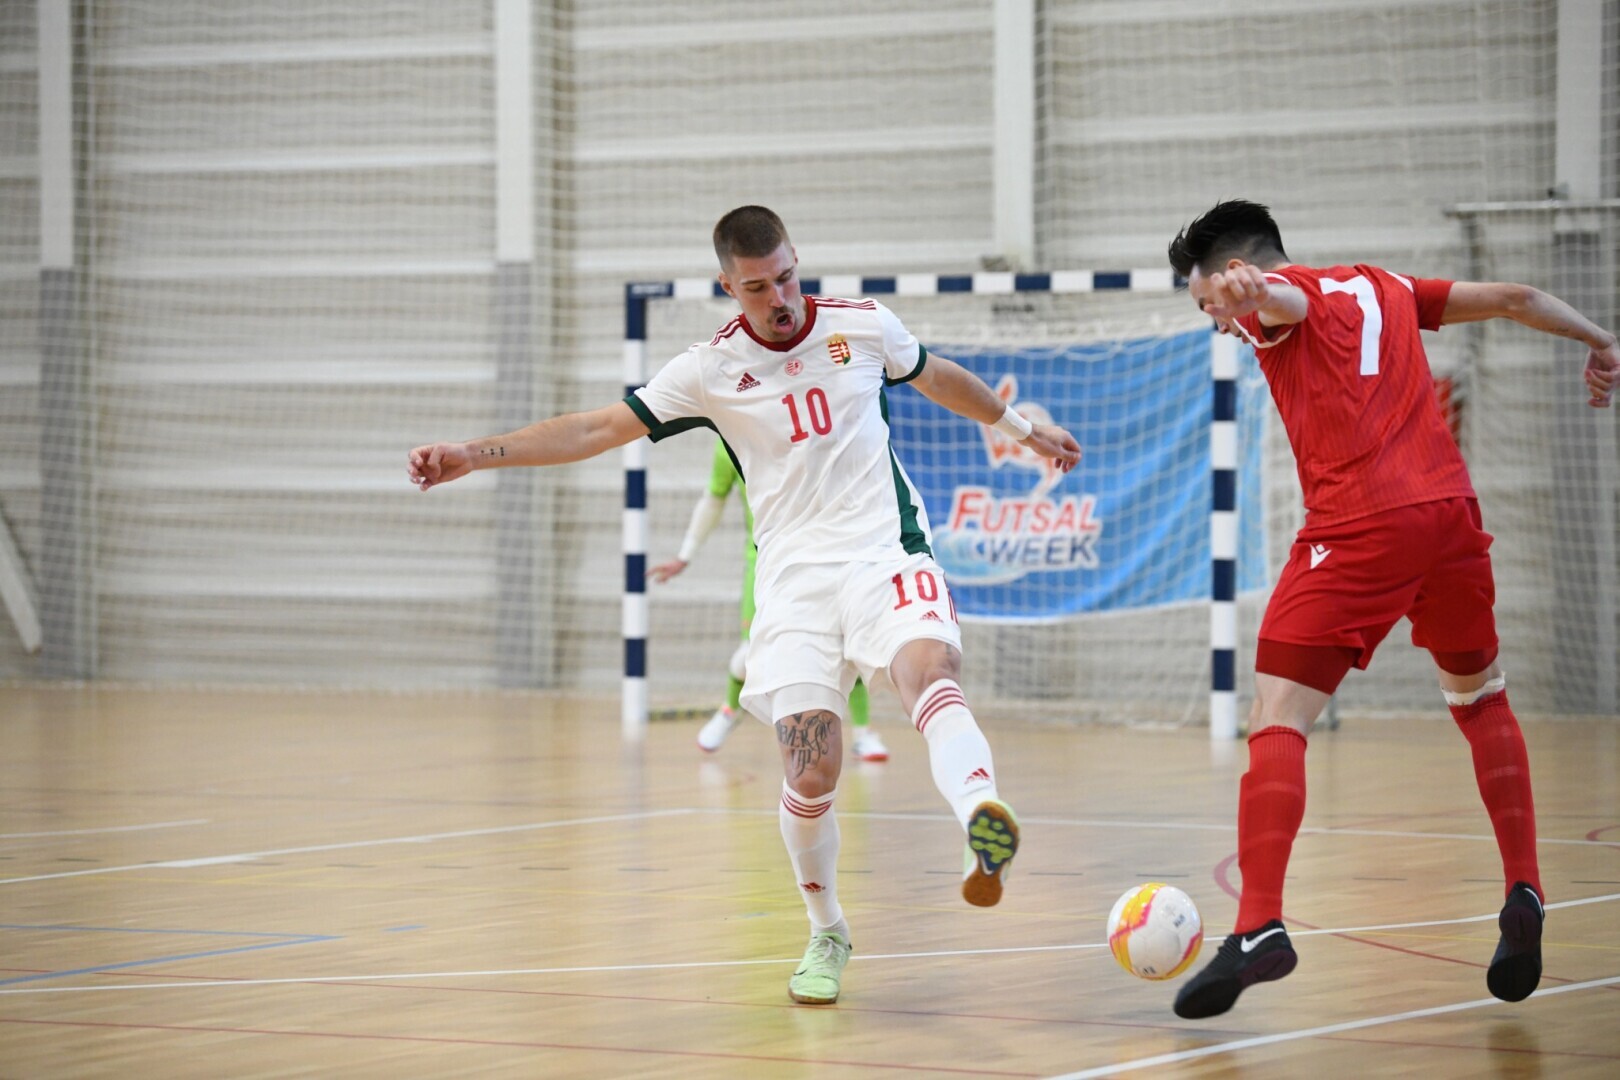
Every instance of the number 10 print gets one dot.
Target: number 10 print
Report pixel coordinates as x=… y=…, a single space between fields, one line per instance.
x=815 y=405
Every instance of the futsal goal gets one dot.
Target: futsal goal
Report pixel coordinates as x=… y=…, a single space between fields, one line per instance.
x=1117 y=592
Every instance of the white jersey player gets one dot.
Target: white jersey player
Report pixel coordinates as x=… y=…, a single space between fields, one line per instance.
x=803 y=420
x=846 y=581
x=836 y=498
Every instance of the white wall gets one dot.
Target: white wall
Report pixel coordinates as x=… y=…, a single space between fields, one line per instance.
x=292 y=262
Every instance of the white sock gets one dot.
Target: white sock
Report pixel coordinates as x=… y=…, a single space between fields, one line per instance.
x=958 y=754
x=810 y=830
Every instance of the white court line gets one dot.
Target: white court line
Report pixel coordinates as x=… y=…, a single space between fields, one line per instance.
x=1099 y=823
x=1449 y=922
x=402 y=976
x=108 y=829
x=1477 y=837
x=544 y=971
x=1311 y=831
x=424 y=838
x=429 y=837
x=1311 y=1033
x=214 y=860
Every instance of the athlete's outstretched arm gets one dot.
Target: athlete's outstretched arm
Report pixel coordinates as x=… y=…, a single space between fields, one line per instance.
x=1471 y=301
x=952 y=386
x=571 y=437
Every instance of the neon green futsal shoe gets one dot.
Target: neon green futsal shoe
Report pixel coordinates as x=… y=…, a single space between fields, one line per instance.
x=816 y=981
x=992 y=842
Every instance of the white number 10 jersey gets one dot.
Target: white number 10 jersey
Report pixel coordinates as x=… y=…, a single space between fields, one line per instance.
x=806 y=422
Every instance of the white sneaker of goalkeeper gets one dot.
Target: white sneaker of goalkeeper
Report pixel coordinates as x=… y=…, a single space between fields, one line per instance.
x=868 y=746
x=712 y=735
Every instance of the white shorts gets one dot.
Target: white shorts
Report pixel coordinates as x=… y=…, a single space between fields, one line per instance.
x=822 y=624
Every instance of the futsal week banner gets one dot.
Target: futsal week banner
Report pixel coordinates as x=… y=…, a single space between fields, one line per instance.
x=1129 y=526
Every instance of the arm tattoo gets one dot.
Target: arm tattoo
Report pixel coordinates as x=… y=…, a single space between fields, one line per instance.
x=807 y=736
x=492 y=451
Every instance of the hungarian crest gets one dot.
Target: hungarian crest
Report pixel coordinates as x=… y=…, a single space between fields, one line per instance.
x=838 y=349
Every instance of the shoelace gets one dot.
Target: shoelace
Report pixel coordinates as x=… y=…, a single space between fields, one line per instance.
x=823 y=950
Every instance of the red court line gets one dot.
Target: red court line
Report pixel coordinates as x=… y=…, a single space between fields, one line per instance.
x=927 y=1013
x=358 y=1035
x=854 y=1009
x=1221 y=870
x=1223 y=867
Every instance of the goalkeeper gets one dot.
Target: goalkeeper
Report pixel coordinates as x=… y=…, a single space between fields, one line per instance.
x=723 y=478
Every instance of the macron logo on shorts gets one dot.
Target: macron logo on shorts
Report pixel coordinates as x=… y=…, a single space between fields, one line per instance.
x=1318 y=553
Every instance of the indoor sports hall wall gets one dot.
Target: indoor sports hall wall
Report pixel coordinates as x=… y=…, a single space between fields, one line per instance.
x=291 y=260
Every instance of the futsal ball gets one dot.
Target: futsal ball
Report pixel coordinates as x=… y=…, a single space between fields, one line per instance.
x=1154 y=931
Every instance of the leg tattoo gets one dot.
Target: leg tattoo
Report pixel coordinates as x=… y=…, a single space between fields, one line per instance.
x=808 y=736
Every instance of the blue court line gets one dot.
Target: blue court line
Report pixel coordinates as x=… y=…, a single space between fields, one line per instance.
x=289 y=939
x=149 y=930
x=397 y=929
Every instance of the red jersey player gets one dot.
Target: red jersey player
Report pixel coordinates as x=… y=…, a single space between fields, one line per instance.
x=1392 y=529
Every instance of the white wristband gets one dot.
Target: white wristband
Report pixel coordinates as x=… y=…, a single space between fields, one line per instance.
x=1014 y=426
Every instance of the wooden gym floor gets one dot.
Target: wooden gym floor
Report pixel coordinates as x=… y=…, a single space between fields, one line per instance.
x=207 y=883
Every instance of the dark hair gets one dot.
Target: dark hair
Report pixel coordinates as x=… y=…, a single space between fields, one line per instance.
x=1232 y=229
x=749 y=232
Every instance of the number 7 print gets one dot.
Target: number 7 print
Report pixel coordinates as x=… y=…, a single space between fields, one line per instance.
x=1372 y=317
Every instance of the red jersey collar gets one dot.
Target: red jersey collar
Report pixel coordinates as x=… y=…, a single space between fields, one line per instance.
x=792 y=342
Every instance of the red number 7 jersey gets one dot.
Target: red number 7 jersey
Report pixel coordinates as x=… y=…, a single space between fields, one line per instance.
x=1355 y=392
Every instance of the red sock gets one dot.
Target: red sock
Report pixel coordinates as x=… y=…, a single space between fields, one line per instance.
x=1502 y=769
x=1271 y=805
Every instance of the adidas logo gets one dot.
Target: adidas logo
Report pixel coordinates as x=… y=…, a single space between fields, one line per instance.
x=978 y=774
x=747 y=382
x=811 y=887
x=929 y=616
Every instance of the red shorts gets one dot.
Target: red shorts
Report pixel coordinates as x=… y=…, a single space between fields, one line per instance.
x=1346 y=586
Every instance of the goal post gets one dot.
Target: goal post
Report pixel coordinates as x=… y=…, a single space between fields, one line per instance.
x=1070 y=592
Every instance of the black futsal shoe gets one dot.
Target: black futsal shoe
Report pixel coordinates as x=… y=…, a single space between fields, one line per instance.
x=1516 y=968
x=1261 y=955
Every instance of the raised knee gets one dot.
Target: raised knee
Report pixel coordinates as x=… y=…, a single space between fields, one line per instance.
x=811 y=741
